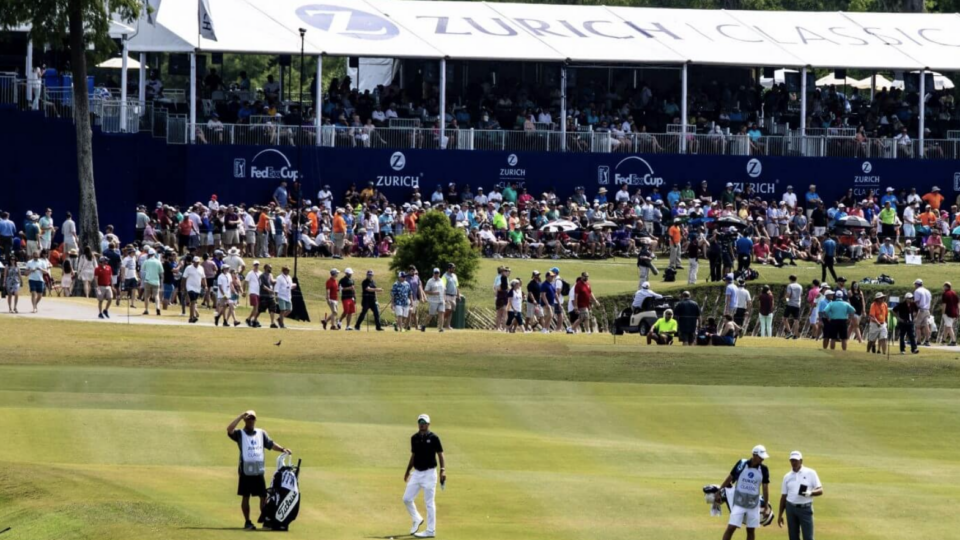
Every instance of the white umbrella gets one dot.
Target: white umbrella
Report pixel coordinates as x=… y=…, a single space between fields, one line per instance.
x=562 y=224
x=778 y=78
x=832 y=80
x=117 y=63
x=940 y=81
x=882 y=82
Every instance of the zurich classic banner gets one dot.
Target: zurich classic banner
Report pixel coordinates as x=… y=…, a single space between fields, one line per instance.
x=251 y=173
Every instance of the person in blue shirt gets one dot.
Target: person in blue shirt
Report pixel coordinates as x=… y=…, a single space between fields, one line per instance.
x=548 y=298
x=280 y=195
x=7 y=231
x=891 y=198
x=836 y=315
x=829 y=257
x=812 y=199
x=673 y=197
x=744 y=246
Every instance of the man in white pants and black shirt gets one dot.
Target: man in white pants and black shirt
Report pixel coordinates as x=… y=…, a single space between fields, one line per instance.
x=800 y=486
x=750 y=476
x=425 y=449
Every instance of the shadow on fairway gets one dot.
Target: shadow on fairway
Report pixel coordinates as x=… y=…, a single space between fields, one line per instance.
x=238 y=529
x=401 y=535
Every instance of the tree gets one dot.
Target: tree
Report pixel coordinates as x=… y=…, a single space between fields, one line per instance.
x=436 y=244
x=77 y=23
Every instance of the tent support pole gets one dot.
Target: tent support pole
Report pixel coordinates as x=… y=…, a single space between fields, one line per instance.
x=563 y=108
x=803 y=102
x=923 y=94
x=123 y=86
x=142 y=90
x=192 y=130
x=442 y=118
x=28 y=71
x=873 y=85
x=318 y=106
x=683 y=109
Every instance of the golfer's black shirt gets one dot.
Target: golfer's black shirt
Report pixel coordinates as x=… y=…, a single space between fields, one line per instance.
x=425 y=447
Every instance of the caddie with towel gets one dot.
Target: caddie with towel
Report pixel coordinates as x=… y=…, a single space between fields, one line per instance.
x=425 y=449
x=749 y=477
x=253 y=443
x=800 y=486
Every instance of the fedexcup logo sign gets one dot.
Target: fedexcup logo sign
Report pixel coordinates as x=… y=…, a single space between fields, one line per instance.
x=754 y=168
x=632 y=171
x=347 y=22
x=269 y=164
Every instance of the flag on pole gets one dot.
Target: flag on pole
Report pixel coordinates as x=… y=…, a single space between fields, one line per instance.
x=206 y=21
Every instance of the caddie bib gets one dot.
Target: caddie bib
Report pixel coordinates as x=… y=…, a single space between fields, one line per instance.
x=251 y=453
x=747 y=492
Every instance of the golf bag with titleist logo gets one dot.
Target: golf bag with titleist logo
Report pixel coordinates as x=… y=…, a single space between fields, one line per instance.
x=283 y=496
x=710 y=496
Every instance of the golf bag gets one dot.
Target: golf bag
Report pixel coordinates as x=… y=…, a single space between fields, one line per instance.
x=747 y=274
x=709 y=495
x=283 y=496
x=669 y=274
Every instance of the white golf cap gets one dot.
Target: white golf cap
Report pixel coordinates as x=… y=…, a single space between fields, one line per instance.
x=760 y=450
x=795 y=455
x=918 y=281
x=645 y=285
x=256 y=263
x=423 y=418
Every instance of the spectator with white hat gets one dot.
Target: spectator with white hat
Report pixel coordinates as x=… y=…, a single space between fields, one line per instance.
x=421 y=474
x=923 y=299
x=800 y=485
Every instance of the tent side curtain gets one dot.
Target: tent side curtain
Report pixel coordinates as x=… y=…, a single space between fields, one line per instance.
x=556 y=33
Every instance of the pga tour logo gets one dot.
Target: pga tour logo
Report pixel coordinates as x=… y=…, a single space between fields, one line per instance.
x=347 y=22
x=754 y=168
x=269 y=164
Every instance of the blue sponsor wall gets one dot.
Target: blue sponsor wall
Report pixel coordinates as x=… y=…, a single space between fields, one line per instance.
x=39 y=170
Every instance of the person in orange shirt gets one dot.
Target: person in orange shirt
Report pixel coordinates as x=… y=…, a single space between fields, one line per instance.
x=934 y=198
x=877 y=325
x=675 y=239
x=929 y=217
x=314 y=221
x=339 y=232
x=410 y=222
x=263 y=233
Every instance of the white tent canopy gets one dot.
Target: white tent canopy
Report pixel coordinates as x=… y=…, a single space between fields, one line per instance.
x=477 y=30
x=832 y=80
x=881 y=83
x=117 y=63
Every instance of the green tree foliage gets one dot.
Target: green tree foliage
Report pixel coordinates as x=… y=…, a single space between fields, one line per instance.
x=436 y=244
x=78 y=25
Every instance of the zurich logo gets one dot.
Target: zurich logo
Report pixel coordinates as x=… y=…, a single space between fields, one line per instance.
x=866 y=167
x=347 y=22
x=398 y=161
x=512 y=160
x=754 y=168
x=750 y=475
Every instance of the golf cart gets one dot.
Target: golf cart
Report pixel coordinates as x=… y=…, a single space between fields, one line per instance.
x=640 y=320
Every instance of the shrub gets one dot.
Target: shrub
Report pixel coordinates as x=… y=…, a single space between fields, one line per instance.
x=435 y=244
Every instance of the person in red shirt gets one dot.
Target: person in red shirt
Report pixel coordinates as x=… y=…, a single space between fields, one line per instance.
x=333 y=297
x=583 y=300
x=950 y=303
x=104 y=276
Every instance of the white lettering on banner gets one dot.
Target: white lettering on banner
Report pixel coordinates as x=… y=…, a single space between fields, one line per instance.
x=520 y=184
x=866 y=167
x=754 y=168
x=398 y=181
x=763 y=188
x=512 y=172
x=632 y=171
x=866 y=182
x=287 y=505
x=273 y=165
x=956 y=181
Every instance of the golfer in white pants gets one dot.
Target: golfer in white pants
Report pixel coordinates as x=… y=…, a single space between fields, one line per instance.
x=425 y=449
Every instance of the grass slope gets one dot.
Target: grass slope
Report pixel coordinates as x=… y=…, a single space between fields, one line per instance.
x=546 y=437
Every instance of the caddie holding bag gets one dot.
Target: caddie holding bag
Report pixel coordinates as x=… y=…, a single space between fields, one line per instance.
x=253 y=442
x=745 y=481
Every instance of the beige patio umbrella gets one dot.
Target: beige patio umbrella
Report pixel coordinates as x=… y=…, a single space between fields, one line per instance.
x=832 y=80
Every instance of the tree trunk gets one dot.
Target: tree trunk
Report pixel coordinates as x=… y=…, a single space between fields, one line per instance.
x=89 y=220
x=913 y=6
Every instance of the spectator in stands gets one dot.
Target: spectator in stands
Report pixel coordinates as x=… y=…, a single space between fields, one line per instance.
x=154 y=86
x=271 y=90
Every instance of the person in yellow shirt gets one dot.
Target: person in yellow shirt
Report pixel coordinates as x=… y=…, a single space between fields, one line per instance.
x=663 y=330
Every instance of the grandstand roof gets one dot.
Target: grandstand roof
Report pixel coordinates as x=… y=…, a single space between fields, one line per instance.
x=536 y=32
